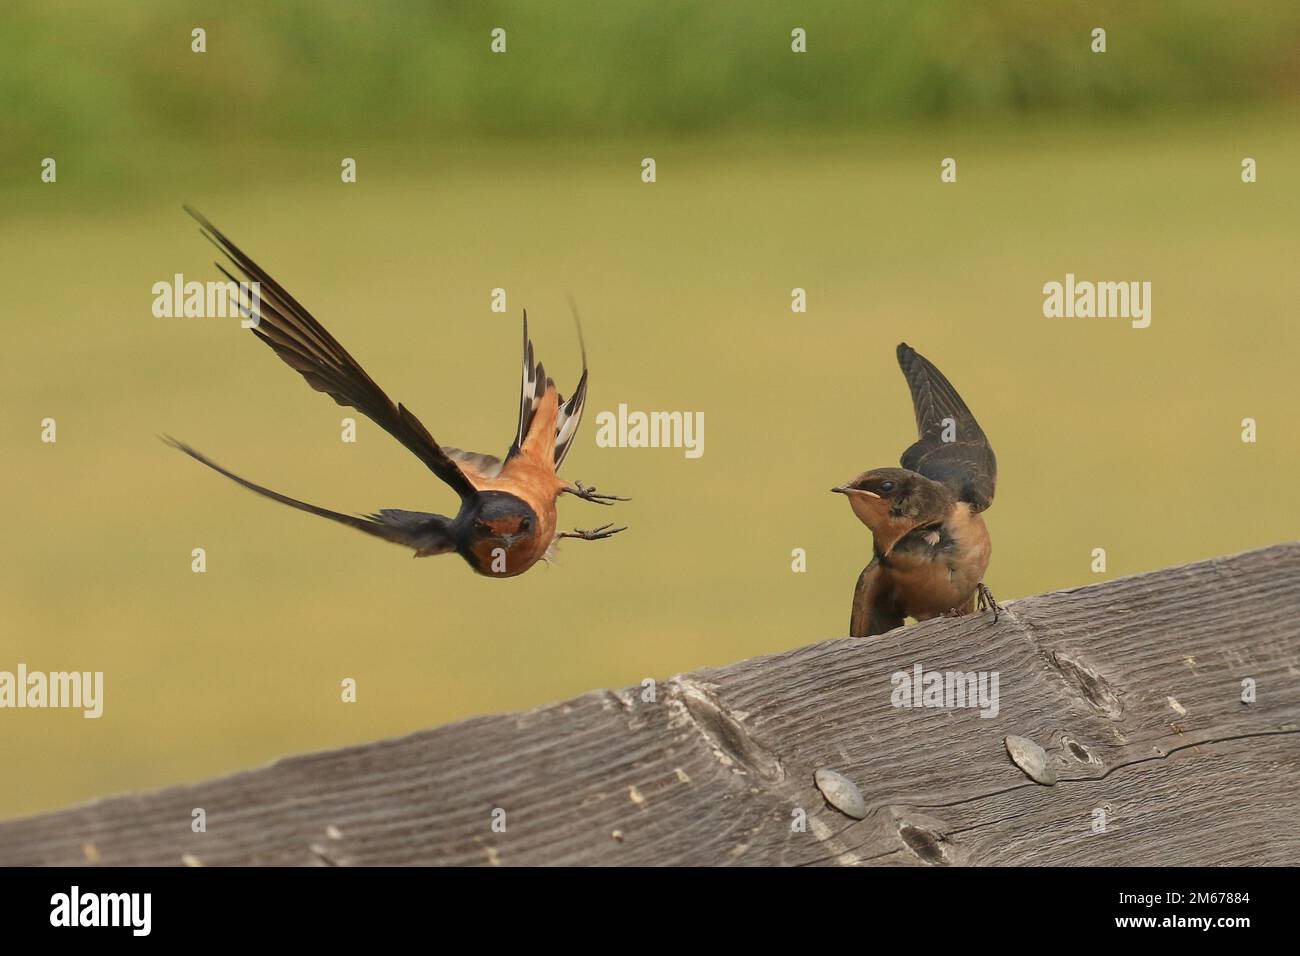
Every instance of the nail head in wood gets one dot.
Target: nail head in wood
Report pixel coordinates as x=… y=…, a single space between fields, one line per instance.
x=1032 y=759
x=841 y=793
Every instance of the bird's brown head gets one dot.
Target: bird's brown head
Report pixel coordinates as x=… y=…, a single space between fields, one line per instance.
x=499 y=537
x=893 y=501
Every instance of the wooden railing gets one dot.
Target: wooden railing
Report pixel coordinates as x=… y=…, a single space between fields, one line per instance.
x=1168 y=705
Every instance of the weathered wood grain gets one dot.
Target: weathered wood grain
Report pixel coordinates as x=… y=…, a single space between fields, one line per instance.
x=1133 y=687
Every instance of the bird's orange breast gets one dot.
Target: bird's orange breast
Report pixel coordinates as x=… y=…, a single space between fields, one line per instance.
x=529 y=476
x=930 y=585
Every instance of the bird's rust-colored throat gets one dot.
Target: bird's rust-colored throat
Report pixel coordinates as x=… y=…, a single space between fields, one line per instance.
x=877 y=514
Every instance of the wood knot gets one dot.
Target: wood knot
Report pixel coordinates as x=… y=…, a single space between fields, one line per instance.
x=1092 y=687
x=731 y=741
x=927 y=845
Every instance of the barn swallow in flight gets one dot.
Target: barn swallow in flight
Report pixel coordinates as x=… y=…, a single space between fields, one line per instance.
x=931 y=547
x=507 y=521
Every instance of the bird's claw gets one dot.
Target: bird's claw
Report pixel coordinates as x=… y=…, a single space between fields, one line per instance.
x=986 y=601
x=579 y=490
x=595 y=534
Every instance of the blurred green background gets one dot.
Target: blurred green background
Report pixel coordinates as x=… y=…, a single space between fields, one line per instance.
x=522 y=170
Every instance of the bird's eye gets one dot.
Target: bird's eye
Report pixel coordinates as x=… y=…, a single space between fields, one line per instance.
x=886 y=486
x=526 y=524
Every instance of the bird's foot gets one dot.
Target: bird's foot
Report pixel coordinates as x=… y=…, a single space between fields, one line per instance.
x=604 y=531
x=986 y=601
x=579 y=490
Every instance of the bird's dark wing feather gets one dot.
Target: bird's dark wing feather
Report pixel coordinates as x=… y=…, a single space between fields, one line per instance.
x=305 y=346
x=533 y=388
x=965 y=463
x=426 y=533
x=875 y=610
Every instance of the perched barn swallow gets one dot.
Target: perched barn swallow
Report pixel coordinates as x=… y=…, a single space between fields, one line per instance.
x=507 y=517
x=931 y=547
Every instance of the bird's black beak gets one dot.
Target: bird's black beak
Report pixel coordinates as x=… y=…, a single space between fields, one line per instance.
x=850 y=490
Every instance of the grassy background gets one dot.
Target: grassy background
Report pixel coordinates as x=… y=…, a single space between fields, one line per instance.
x=522 y=171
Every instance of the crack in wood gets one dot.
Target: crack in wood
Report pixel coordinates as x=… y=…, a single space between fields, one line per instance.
x=1169 y=752
x=1101 y=776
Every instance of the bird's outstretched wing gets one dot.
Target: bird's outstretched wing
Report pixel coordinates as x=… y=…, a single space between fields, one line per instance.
x=964 y=461
x=306 y=347
x=533 y=391
x=426 y=533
